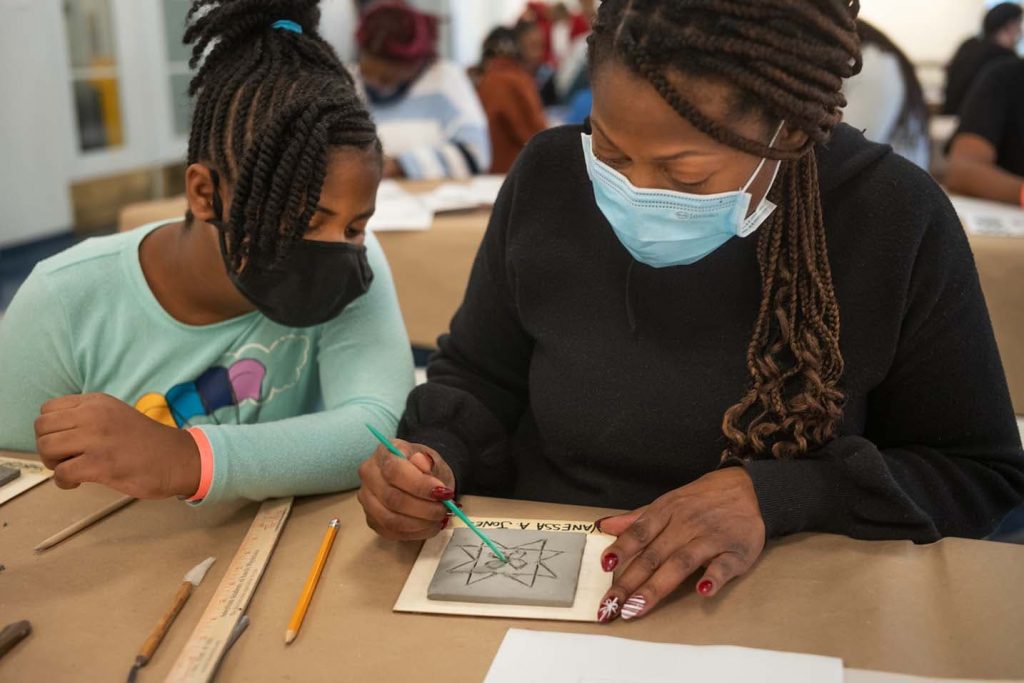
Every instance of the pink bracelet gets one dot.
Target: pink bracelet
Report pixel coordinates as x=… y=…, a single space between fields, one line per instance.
x=1022 y=195
x=205 y=463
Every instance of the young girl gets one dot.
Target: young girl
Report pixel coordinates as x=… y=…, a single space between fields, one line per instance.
x=603 y=354
x=237 y=353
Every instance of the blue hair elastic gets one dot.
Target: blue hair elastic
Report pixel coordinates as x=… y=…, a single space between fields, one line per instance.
x=287 y=25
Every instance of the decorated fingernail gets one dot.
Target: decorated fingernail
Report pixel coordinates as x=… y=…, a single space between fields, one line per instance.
x=633 y=607
x=442 y=493
x=609 y=608
x=705 y=587
x=609 y=562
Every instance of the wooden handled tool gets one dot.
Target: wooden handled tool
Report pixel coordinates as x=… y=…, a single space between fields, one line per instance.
x=12 y=634
x=70 y=531
x=192 y=579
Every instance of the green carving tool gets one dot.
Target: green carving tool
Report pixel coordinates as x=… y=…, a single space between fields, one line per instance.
x=447 y=503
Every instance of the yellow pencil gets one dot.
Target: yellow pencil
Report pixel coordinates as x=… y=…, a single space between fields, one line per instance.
x=311 y=581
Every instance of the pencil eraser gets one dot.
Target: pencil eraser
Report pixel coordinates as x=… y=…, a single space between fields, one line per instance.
x=8 y=474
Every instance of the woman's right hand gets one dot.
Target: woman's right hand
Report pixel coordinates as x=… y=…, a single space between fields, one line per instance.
x=402 y=499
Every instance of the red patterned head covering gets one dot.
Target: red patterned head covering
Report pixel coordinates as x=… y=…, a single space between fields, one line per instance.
x=393 y=30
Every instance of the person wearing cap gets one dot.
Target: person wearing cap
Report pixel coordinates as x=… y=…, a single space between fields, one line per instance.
x=1001 y=31
x=428 y=115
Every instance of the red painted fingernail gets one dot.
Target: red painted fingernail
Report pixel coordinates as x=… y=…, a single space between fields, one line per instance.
x=633 y=607
x=444 y=522
x=609 y=562
x=442 y=493
x=705 y=586
x=609 y=608
x=598 y=523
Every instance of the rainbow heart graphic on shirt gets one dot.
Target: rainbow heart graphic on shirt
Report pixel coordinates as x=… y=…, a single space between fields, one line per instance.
x=216 y=388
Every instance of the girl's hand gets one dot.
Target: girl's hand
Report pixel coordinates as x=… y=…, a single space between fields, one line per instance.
x=402 y=498
x=98 y=438
x=715 y=522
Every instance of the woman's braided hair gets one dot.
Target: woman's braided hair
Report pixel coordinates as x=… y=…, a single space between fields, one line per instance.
x=787 y=60
x=270 y=103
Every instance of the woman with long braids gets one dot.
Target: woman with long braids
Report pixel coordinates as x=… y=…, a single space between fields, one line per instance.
x=720 y=308
x=238 y=352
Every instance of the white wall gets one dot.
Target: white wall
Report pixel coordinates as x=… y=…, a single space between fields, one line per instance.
x=36 y=124
x=927 y=30
x=472 y=20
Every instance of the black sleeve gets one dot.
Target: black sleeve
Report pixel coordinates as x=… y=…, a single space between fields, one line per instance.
x=941 y=454
x=987 y=106
x=478 y=379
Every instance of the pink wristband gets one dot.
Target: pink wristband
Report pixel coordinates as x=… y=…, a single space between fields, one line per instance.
x=205 y=463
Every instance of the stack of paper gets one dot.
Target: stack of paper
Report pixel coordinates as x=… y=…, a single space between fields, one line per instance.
x=398 y=209
x=482 y=191
x=981 y=217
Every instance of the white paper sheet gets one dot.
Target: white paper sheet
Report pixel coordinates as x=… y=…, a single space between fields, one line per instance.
x=32 y=473
x=482 y=191
x=449 y=197
x=863 y=676
x=398 y=209
x=981 y=217
x=538 y=657
x=486 y=188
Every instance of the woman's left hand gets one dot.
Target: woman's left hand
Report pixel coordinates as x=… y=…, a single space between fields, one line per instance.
x=714 y=522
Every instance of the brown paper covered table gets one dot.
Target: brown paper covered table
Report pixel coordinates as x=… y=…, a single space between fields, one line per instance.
x=953 y=608
x=1001 y=269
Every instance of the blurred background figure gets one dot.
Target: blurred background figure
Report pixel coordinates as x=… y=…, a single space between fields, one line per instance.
x=886 y=100
x=566 y=28
x=427 y=112
x=1001 y=33
x=535 y=54
x=509 y=97
x=986 y=158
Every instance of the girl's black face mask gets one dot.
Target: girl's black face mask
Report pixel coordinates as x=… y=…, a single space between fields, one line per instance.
x=310 y=286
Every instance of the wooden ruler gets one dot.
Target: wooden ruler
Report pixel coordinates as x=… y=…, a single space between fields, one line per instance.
x=212 y=636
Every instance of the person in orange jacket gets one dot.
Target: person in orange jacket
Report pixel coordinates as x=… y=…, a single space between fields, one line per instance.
x=510 y=99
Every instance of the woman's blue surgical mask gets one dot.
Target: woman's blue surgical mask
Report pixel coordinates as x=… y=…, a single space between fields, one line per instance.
x=663 y=228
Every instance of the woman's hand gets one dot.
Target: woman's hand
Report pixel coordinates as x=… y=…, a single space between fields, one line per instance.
x=402 y=498
x=100 y=439
x=715 y=522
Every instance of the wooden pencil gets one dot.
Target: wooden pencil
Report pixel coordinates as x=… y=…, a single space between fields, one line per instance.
x=84 y=523
x=311 y=582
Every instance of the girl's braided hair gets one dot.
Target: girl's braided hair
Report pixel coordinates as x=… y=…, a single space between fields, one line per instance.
x=270 y=103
